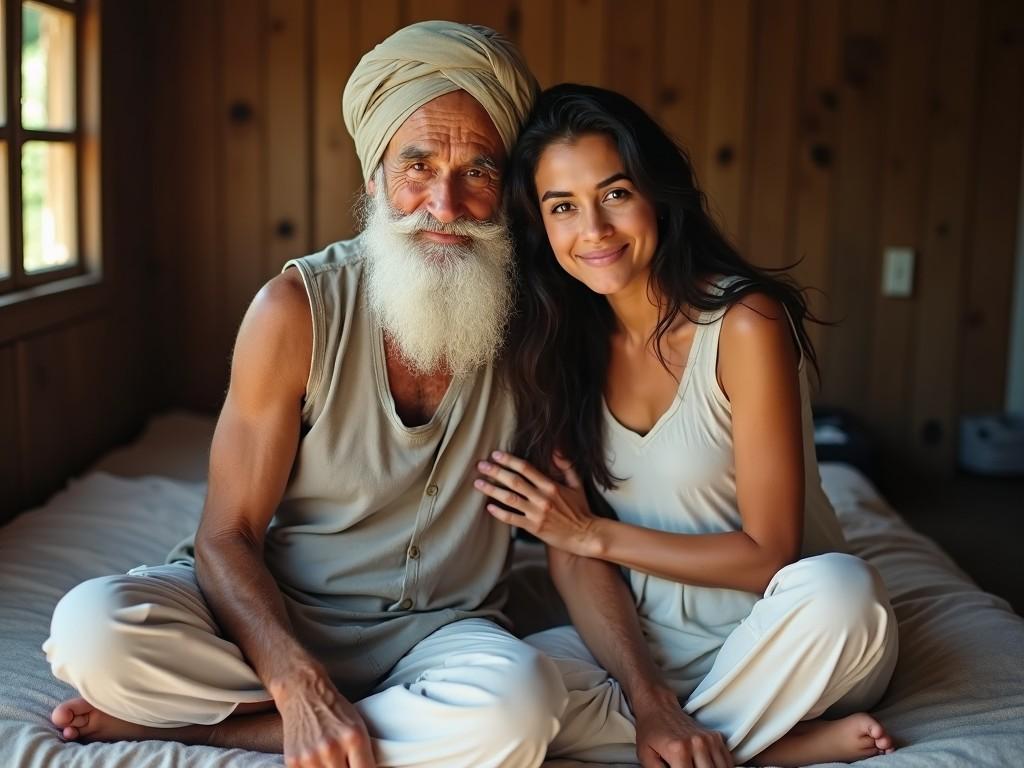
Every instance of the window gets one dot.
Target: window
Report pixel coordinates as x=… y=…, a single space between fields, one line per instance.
x=42 y=141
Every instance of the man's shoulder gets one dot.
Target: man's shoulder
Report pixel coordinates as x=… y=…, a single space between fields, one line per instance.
x=338 y=256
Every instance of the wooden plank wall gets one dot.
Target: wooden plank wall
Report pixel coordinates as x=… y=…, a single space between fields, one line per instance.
x=72 y=388
x=822 y=131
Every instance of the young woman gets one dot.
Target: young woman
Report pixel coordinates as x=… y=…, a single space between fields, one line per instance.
x=665 y=428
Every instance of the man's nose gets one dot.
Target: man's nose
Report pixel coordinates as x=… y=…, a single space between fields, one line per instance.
x=445 y=201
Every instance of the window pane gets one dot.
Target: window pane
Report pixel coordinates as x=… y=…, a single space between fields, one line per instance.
x=47 y=68
x=5 y=224
x=48 y=205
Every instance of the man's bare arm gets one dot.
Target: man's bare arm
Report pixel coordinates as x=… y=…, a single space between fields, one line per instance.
x=254 y=448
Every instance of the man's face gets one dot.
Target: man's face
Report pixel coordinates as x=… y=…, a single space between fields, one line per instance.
x=446 y=159
x=440 y=266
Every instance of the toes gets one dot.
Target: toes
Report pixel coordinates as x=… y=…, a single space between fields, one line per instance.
x=70 y=733
x=876 y=731
x=867 y=744
x=884 y=743
x=62 y=715
x=73 y=714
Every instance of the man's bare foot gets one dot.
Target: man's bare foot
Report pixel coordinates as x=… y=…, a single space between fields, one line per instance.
x=253 y=726
x=851 y=738
x=78 y=720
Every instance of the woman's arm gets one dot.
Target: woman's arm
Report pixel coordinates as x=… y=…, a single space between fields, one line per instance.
x=757 y=369
x=602 y=610
x=604 y=614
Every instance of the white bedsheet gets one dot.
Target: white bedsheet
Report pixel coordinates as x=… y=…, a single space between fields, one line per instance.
x=957 y=698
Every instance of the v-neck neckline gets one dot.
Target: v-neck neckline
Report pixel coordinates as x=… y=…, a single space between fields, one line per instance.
x=387 y=400
x=677 y=399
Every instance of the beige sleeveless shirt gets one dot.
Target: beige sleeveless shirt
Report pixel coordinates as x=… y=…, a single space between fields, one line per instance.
x=681 y=477
x=380 y=538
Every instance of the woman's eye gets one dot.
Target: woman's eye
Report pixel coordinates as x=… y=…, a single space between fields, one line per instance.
x=561 y=208
x=617 y=194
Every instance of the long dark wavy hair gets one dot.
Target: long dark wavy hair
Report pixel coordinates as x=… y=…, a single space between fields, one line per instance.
x=559 y=340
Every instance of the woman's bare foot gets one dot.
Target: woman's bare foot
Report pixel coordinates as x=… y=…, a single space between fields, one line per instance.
x=851 y=738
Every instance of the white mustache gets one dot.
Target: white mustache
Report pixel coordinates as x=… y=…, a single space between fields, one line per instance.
x=424 y=221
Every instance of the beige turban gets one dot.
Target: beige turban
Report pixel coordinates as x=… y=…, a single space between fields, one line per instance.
x=426 y=60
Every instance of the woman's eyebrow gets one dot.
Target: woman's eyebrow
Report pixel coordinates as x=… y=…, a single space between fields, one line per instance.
x=610 y=180
x=551 y=193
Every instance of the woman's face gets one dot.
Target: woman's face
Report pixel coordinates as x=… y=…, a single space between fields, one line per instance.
x=602 y=230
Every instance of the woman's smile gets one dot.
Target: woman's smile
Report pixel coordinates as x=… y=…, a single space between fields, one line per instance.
x=603 y=257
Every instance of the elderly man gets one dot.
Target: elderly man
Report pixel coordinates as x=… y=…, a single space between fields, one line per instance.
x=342 y=600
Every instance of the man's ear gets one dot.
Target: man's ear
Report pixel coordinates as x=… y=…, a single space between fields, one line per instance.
x=371 y=186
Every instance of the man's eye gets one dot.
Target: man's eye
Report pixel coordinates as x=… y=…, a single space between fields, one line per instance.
x=418 y=167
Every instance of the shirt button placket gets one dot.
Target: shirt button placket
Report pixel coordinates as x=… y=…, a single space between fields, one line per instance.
x=413 y=553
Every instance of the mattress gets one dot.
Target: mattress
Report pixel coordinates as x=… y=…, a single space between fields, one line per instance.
x=957 y=697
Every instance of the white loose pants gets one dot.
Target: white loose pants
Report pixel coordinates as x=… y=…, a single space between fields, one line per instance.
x=822 y=641
x=144 y=647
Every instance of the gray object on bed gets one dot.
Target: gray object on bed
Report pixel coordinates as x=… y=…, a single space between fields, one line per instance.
x=957 y=698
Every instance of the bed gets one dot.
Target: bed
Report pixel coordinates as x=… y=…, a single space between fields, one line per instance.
x=957 y=698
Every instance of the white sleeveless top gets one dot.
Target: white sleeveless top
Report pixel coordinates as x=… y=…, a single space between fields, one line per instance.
x=681 y=477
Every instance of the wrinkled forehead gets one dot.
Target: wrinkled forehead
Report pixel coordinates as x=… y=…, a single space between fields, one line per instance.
x=453 y=128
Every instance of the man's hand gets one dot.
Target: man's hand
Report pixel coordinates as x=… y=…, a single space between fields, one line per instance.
x=321 y=727
x=667 y=735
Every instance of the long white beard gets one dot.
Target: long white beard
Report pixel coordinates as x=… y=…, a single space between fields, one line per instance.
x=442 y=305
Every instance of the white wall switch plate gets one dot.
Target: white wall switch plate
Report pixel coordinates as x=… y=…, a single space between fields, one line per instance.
x=898 y=272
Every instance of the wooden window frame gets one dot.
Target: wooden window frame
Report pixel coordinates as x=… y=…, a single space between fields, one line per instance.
x=84 y=277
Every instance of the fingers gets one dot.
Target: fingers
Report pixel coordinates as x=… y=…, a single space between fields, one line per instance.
x=339 y=754
x=527 y=470
x=702 y=757
x=511 y=480
x=721 y=753
x=362 y=756
x=509 y=518
x=704 y=750
x=572 y=478
x=505 y=496
x=348 y=748
x=648 y=757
